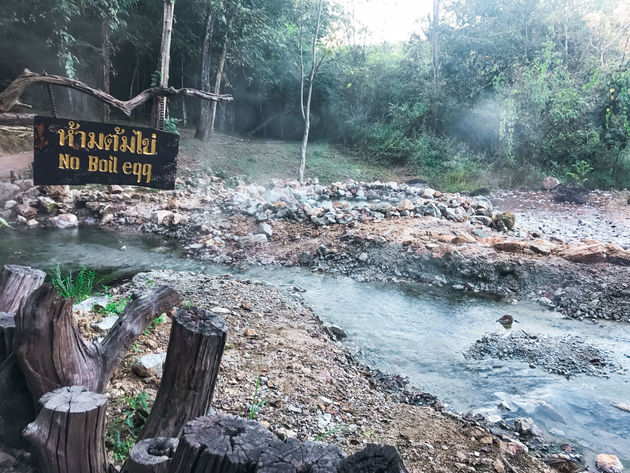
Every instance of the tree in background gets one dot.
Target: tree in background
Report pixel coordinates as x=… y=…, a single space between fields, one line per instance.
x=202 y=131
x=309 y=34
x=490 y=91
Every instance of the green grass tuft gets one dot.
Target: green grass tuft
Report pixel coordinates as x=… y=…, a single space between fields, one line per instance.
x=68 y=285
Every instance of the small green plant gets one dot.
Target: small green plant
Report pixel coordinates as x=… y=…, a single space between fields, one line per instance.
x=117 y=307
x=157 y=321
x=257 y=404
x=326 y=434
x=123 y=431
x=136 y=348
x=68 y=285
x=581 y=170
x=121 y=448
x=170 y=125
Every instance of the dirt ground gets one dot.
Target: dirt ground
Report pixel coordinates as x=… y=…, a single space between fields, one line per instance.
x=14 y=162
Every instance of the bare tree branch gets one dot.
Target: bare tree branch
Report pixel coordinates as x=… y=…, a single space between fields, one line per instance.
x=10 y=96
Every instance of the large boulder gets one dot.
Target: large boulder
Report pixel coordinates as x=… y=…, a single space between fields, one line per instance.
x=26 y=211
x=57 y=191
x=586 y=254
x=550 y=183
x=7 y=191
x=150 y=365
x=571 y=195
x=65 y=221
x=598 y=253
x=504 y=221
x=608 y=463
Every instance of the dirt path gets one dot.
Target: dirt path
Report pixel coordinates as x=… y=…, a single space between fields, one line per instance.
x=16 y=162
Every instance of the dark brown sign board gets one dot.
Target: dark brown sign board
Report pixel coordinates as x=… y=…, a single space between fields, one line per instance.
x=79 y=152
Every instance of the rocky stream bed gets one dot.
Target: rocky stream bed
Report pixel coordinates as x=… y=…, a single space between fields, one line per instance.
x=370 y=231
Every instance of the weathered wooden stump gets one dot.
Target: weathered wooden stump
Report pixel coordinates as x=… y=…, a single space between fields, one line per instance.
x=16 y=406
x=151 y=456
x=373 y=459
x=190 y=372
x=294 y=456
x=68 y=435
x=16 y=283
x=52 y=353
x=222 y=444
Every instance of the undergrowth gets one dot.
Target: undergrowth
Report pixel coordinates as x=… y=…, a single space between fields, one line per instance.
x=122 y=432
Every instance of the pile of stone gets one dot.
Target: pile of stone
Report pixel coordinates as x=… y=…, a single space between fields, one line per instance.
x=345 y=202
x=565 y=355
x=34 y=204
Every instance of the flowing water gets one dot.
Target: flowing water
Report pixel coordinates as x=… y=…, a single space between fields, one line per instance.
x=407 y=329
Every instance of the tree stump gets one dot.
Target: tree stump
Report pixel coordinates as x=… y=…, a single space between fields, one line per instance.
x=52 y=353
x=16 y=283
x=222 y=444
x=69 y=432
x=294 y=456
x=151 y=456
x=16 y=405
x=192 y=364
x=373 y=459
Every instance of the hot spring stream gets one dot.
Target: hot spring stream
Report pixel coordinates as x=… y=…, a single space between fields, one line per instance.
x=407 y=329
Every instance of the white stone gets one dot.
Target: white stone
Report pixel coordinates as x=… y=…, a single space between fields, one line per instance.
x=251 y=240
x=220 y=310
x=549 y=183
x=161 y=217
x=608 y=463
x=66 y=221
x=265 y=229
x=105 y=325
x=150 y=365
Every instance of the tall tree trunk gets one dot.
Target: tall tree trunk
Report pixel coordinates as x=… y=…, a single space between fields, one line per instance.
x=159 y=104
x=434 y=40
x=306 y=111
x=203 y=124
x=307 y=128
x=217 y=82
x=107 y=64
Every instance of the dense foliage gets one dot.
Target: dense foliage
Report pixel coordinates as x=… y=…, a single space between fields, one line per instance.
x=515 y=89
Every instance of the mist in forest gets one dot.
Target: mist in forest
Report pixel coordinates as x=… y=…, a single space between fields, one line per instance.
x=492 y=85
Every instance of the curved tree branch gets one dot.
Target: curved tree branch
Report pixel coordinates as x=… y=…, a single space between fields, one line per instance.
x=9 y=97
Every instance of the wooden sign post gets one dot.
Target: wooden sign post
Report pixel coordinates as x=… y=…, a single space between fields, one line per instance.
x=82 y=152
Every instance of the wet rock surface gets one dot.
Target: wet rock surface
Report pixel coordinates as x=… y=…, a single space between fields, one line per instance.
x=566 y=356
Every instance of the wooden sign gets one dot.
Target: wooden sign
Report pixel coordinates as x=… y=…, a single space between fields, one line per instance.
x=82 y=152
